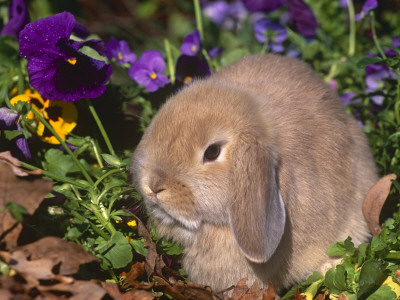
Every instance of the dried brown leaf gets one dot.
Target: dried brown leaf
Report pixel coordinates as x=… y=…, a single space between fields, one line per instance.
x=113 y=291
x=193 y=290
x=397 y=275
x=299 y=296
x=31 y=271
x=27 y=193
x=165 y=287
x=70 y=255
x=269 y=294
x=374 y=202
x=343 y=297
x=321 y=296
x=254 y=293
x=136 y=271
x=80 y=290
x=154 y=261
x=15 y=165
x=240 y=289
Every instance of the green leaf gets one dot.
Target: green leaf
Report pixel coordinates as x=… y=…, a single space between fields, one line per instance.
x=234 y=55
x=117 y=252
x=59 y=163
x=112 y=160
x=138 y=245
x=341 y=248
x=170 y=248
x=17 y=211
x=314 y=277
x=377 y=244
x=92 y=53
x=11 y=134
x=362 y=63
x=383 y=292
x=335 y=280
x=372 y=275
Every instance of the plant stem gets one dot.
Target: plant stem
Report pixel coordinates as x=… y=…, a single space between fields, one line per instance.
x=352 y=33
x=55 y=177
x=169 y=61
x=20 y=79
x=393 y=255
x=106 y=175
x=199 y=21
x=94 y=227
x=100 y=126
x=48 y=126
x=103 y=221
x=96 y=153
x=375 y=37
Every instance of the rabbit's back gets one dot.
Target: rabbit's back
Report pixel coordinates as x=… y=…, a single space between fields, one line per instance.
x=325 y=164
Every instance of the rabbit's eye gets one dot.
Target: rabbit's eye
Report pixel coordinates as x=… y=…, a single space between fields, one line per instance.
x=212 y=152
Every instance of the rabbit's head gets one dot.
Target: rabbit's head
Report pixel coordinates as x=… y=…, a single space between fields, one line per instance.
x=209 y=157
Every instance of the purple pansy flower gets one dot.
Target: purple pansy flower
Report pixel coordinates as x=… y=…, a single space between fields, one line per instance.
x=189 y=68
x=120 y=51
x=18 y=17
x=80 y=31
x=367 y=7
x=214 y=52
x=147 y=71
x=8 y=121
x=191 y=44
x=262 y=28
x=348 y=98
x=262 y=5
x=302 y=18
x=376 y=76
x=226 y=15
x=56 y=67
x=343 y=3
x=395 y=44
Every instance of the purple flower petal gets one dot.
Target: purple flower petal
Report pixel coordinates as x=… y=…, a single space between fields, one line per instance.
x=22 y=148
x=226 y=15
x=80 y=31
x=43 y=35
x=343 y=3
x=367 y=7
x=191 y=67
x=119 y=50
x=18 y=17
x=153 y=60
x=8 y=118
x=56 y=67
x=148 y=70
x=214 y=52
x=279 y=34
x=347 y=98
x=302 y=18
x=262 y=5
x=191 y=44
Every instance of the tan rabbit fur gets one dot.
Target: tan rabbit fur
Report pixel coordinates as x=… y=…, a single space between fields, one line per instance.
x=289 y=179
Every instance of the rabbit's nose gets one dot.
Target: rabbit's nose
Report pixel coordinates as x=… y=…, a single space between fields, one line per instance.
x=154 y=192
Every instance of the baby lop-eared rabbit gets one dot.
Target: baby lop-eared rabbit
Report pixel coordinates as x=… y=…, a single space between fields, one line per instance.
x=255 y=171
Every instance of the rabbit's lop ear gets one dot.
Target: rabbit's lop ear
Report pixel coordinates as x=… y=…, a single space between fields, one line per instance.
x=257 y=212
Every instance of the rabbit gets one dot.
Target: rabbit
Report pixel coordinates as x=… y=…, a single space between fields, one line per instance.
x=255 y=171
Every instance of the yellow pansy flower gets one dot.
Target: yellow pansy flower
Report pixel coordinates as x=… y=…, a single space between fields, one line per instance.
x=62 y=116
x=132 y=224
x=395 y=286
